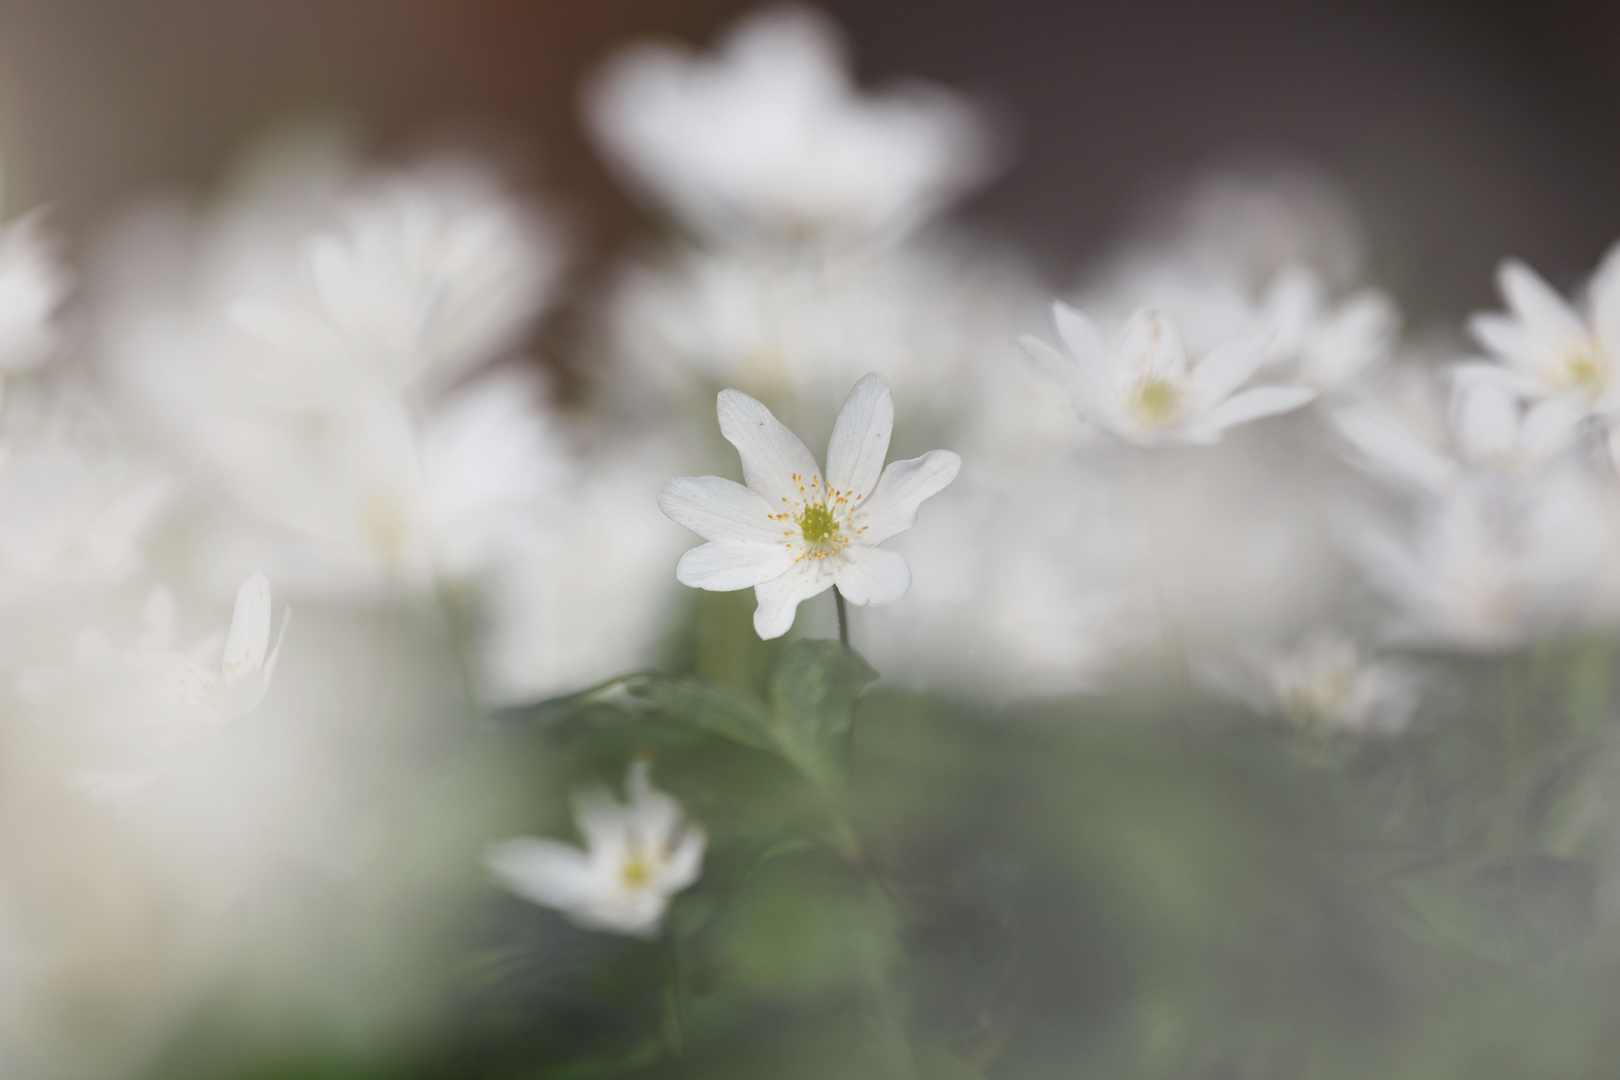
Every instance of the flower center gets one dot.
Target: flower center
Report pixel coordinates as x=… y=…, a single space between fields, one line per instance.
x=1584 y=368
x=823 y=516
x=634 y=873
x=817 y=524
x=1155 y=400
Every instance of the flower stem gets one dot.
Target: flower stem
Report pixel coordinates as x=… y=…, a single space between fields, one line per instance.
x=843 y=618
x=677 y=995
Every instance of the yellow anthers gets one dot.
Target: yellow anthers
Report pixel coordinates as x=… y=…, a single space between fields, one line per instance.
x=1155 y=400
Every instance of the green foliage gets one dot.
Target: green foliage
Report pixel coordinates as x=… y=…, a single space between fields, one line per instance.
x=898 y=886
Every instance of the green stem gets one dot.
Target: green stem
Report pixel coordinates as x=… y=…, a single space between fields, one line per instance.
x=677 y=995
x=843 y=618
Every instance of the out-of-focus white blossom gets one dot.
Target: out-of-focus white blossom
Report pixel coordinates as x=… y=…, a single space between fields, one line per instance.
x=768 y=137
x=1493 y=562
x=33 y=283
x=1319 y=343
x=637 y=855
x=1490 y=429
x=798 y=332
x=139 y=702
x=1546 y=346
x=302 y=328
x=1328 y=685
x=586 y=598
x=76 y=510
x=1146 y=390
x=791 y=535
x=428 y=273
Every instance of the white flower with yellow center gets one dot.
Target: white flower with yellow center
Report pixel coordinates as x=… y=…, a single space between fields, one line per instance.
x=1330 y=685
x=1147 y=391
x=793 y=531
x=1547 y=347
x=636 y=857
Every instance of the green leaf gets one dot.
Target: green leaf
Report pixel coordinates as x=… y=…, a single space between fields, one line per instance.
x=812 y=689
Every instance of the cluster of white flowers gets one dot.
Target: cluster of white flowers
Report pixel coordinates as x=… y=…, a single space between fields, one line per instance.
x=325 y=376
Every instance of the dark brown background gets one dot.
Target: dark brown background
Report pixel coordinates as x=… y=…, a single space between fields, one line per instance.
x=1465 y=131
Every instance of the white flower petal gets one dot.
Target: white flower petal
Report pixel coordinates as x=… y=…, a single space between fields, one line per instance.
x=871 y=575
x=1225 y=368
x=1249 y=405
x=779 y=598
x=249 y=635
x=892 y=506
x=771 y=454
x=1486 y=421
x=1547 y=317
x=723 y=565
x=686 y=861
x=1082 y=339
x=1392 y=450
x=543 y=871
x=1504 y=337
x=860 y=436
x=718 y=509
x=1603 y=296
x=1150 y=347
x=1550 y=426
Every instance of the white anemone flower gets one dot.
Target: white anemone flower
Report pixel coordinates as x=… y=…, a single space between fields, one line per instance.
x=794 y=532
x=1494 y=562
x=1328 y=684
x=1326 y=345
x=1549 y=347
x=1490 y=430
x=32 y=285
x=636 y=857
x=1147 y=391
x=770 y=137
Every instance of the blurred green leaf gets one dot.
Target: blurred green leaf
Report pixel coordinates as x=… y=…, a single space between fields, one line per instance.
x=812 y=691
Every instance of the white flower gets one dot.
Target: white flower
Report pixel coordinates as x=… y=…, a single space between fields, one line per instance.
x=636 y=857
x=783 y=328
x=1489 y=430
x=790 y=533
x=1328 y=684
x=769 y=136
x=153 y=695
x=1146 y=391
x=590 y=596
x=433 y=271
x=1327 y=346
x=1549 y=348
x=1494 y=562
x=32 y=285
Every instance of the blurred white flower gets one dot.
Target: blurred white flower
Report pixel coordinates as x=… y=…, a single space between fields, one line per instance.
x=140 y=702
x=1321 y=344
x=1489 y=429
x=75 y=510
x=637 y=856
x=431 y=271
x=1327 y=684
x=33 y=283
x=1548 y=348
x=800 y=332
x=1145 y=389
x=1494 y=562
x=588 y=597
x=768 y=137
x=790 y=535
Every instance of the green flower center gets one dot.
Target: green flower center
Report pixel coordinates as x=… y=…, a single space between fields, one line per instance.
x=817 y=524
x=1156 y=400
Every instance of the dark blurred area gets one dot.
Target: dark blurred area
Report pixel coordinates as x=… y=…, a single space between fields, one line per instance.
x=1463 y=131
